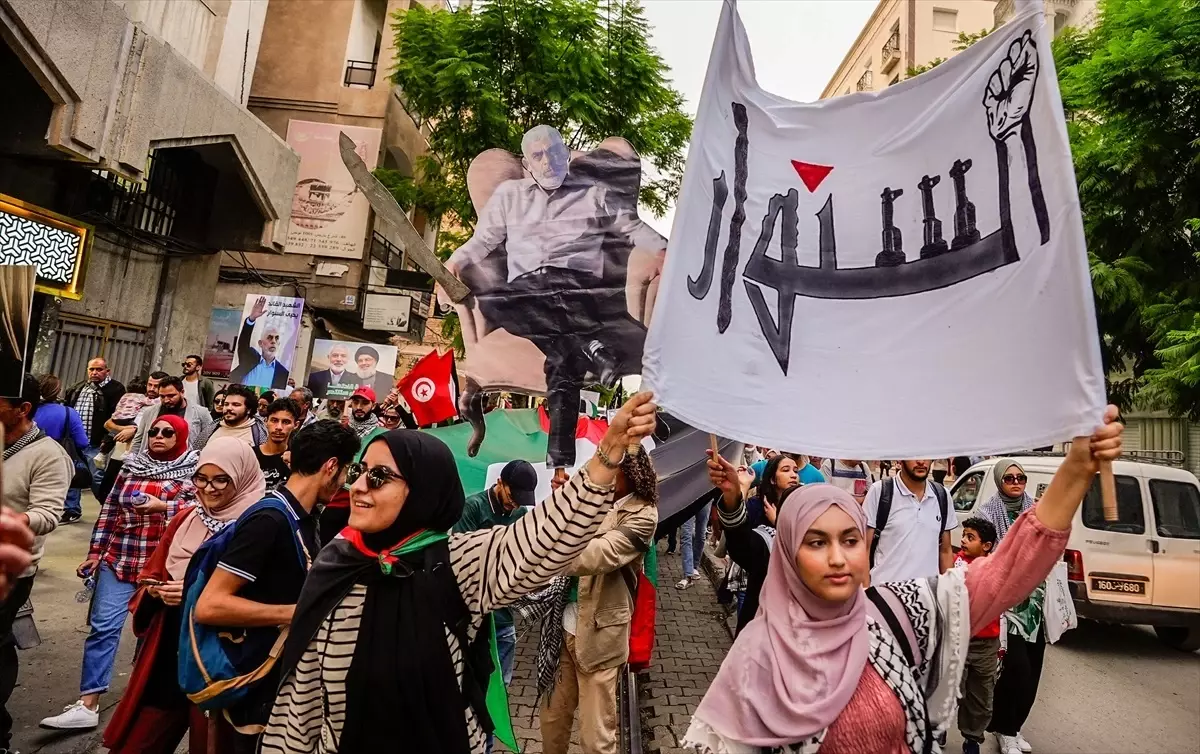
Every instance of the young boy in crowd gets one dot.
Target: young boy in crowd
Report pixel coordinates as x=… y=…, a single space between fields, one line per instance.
x=979 y=680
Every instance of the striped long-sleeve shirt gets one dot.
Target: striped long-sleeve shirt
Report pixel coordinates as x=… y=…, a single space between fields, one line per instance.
x=494 y=567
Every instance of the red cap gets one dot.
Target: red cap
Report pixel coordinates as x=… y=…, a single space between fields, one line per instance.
x=364 y=391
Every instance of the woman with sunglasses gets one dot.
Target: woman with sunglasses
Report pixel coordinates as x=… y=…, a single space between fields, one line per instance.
x=154 y=715
x=1016 y=688
x=831 y=665
x=149 y=489
x=389 y=649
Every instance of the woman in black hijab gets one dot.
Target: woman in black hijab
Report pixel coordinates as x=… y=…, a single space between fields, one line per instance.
x=386 y=651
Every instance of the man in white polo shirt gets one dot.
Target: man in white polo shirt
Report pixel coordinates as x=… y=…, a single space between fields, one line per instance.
x=909 y=519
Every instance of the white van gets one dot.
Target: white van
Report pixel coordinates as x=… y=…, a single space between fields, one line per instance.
x=1143 y=568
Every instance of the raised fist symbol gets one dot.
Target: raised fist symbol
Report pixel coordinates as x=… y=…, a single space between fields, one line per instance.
x=1009 y=93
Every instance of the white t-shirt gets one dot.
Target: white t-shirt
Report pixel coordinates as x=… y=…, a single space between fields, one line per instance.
x=845 y=476
x=191 y=391
x=910 y=542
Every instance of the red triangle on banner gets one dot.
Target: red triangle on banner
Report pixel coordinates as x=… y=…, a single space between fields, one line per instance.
x=811 y=174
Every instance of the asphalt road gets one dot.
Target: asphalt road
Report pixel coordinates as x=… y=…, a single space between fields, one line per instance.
x=1114 y=690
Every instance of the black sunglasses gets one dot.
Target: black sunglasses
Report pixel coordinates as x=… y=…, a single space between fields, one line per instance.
x=377 y=476
x=1015 y=479
x=166 y=432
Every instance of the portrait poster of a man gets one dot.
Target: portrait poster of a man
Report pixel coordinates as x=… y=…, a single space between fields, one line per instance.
x=266 y=341
x=563 y=275
x=337 y=367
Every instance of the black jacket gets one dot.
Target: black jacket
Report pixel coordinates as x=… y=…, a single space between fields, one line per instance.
x=103 y=409
x=749 y=550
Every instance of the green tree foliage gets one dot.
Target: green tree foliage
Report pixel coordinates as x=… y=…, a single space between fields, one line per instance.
x=1131 y=89
x=479 y=78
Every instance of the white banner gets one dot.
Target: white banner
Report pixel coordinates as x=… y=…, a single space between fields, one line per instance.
x=894 y=274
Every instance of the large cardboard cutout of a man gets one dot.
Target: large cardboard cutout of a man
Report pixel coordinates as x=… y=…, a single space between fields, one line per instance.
x=562 y=272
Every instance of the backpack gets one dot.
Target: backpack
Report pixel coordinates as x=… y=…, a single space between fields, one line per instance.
x=82 y=476
x=885 y=509
x=207 y=672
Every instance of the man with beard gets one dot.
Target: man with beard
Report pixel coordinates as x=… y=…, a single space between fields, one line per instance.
x=362 y=412
x=909 y=520
x=171 y=401
x=282 y=419
x=261 y=367
x=553 y=229
x=198 y=390
x=367 y=359
x=337 y=374
x=257 y=581
x=240 y=419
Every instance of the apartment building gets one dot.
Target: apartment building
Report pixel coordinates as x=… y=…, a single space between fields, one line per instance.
x=321 y=68
x=128 y=160
x=904 y=33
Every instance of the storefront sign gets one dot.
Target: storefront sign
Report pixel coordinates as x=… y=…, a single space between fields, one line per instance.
x=56 y=245
x=329 y=215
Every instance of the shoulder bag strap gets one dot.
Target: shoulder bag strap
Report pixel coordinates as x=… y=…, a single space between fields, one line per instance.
x=882 y=513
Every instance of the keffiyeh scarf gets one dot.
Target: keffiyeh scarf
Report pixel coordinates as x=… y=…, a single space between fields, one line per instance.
x=142 y=466
x=31 y=435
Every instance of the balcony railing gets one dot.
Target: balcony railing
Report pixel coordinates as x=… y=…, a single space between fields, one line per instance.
x=890 y=54
x=865 y=83
x=360 y=73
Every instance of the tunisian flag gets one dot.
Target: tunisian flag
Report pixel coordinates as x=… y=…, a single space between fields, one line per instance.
x=429 y=388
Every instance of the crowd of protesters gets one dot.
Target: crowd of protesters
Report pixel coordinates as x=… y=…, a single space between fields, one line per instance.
x=357 y=593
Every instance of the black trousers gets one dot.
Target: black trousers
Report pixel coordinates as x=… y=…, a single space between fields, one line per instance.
x=561 y=312
x=8 y=653
x=1016 y=689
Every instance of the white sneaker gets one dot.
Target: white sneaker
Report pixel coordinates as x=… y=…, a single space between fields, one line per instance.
x=1024 y=745
x=1008 y=744
x=74 y=717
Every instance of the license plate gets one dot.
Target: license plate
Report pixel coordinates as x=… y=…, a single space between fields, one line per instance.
x=1118 y=585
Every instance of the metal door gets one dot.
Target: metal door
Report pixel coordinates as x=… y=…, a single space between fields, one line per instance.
x=77 y=340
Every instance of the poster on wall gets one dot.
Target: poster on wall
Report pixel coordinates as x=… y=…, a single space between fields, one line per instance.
x=942 y=209
x=337 y=367
x=383 y=311
x=267 y=332
x=329 y=214
x=571 y=218
x=16 y=309
x=223 y=327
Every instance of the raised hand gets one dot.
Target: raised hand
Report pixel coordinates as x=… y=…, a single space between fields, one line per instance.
x=1009 y=93
x=724 y=476
x=636 y=420
x=1103 y=445
x=259 y=308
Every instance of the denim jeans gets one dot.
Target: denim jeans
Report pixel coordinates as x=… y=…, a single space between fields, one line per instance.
x=691 y=540
x=110 y=606
x=73 y=502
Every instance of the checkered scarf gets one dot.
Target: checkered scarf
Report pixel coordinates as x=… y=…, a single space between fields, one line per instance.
x=31 y=435
x=546 y=606
x=85 y=403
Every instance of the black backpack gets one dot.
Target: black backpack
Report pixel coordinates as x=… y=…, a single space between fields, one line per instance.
x=885 y=509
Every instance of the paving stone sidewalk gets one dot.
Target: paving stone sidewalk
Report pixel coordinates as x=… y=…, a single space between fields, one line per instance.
x=691 y=641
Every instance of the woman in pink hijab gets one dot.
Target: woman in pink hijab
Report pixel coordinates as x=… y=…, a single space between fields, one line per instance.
x=831 y=665
x=154 y=715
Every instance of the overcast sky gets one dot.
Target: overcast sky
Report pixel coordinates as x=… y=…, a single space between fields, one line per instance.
x=797 y=45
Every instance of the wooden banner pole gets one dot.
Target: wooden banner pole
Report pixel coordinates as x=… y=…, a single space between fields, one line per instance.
x=1108 y=491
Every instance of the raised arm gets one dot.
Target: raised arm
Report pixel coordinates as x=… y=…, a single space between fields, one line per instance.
x=496 y=566
x=1037 y=539
x=747 y=549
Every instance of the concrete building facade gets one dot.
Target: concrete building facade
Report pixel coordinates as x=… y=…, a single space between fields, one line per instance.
x=125 y=126
x=327 y=61
x=905 y=33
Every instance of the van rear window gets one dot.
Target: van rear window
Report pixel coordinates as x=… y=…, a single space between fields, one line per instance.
x=1176 y=509
x=1131 y=517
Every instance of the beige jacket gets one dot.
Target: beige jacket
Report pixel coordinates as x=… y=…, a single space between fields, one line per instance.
x=36 y=480
x=605 y=599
